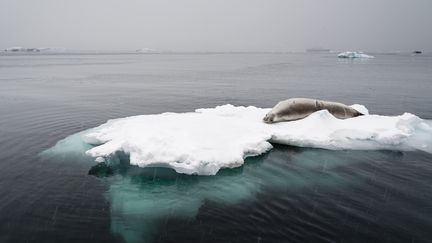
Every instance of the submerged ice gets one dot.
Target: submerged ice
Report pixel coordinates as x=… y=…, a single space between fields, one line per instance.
x=142 y=198
x=204 y=141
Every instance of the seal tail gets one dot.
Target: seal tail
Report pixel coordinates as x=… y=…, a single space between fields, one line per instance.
x=358 y=113
x=360 y=110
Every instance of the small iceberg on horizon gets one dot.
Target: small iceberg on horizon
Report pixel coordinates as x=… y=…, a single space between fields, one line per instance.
x=207 y=140
x=354 y=54
x=147 y=50
x=39 y=49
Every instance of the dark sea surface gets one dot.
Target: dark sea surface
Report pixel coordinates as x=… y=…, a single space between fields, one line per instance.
x=289 y=194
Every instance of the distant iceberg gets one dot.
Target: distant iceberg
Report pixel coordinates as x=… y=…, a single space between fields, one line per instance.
x=19 y=49
x=204 y=141
x=354 y=54
x=147 y=50
x=39 y=49
x=51 y=49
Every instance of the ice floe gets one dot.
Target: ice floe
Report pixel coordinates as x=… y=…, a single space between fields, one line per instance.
x=204 y=141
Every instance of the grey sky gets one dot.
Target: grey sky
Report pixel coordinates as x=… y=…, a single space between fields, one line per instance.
x=218 y=25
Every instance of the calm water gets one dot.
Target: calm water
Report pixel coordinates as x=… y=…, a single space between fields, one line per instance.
x=287 y=195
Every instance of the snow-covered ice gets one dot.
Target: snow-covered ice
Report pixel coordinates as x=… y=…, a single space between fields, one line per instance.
x=204 y=141
x=354 y=54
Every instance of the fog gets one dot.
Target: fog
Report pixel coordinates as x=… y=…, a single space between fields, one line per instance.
x=217 y=25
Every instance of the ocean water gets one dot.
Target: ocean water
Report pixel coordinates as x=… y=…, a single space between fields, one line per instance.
x=289 y=194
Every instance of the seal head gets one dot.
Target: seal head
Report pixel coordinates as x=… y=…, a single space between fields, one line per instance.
x=269 y=118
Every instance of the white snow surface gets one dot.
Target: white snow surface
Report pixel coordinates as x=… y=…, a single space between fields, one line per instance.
x=354 y=54
x=204 y=141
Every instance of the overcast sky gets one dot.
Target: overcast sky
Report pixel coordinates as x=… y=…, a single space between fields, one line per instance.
x=218 y=25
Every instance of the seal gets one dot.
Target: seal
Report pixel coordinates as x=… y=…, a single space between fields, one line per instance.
x=299 y=108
